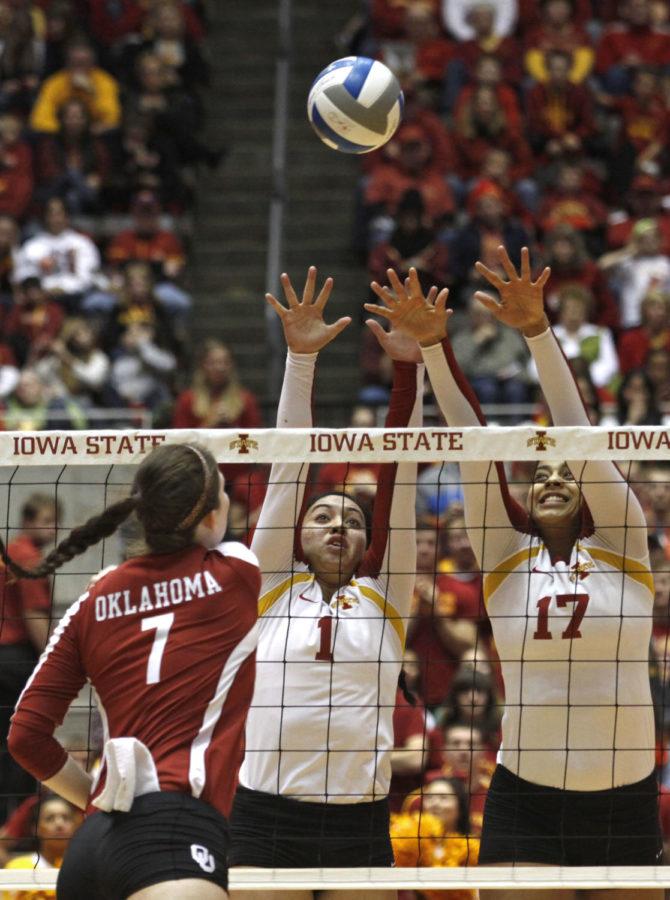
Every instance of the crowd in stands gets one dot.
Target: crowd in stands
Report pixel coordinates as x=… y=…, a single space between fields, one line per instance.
x=544 y=124
x=102 y=121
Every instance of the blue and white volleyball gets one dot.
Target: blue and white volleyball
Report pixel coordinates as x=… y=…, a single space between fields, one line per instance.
x=355 y=104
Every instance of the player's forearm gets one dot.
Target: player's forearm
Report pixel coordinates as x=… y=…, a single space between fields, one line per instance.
x=449 y=386
x=72 y=783
x=295 y=402
x=556 y=380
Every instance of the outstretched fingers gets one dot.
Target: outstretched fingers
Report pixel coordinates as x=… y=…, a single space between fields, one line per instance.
x=525 y=264
x=488 y=301
x=507 y=263
x=492 y=277
x=276 y=305
x=384 y=295
x=544 y=277
x=382 y=311
x=310 y=285
x=334 y=329
x=324 y=294
x=289 y=291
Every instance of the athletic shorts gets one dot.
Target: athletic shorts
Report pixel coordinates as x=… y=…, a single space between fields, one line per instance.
x=531 y=823
x=166 y=836
x=271 y=831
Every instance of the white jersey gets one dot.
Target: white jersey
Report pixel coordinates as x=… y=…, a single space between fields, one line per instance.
x=573 y=636
x=320 y=727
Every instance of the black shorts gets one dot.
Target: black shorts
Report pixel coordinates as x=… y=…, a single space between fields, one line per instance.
x=271 y=831
x=166 y=836
x=531 y=823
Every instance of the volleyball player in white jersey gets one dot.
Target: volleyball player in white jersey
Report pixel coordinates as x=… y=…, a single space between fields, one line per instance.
x=315 y=779
x=569 y=594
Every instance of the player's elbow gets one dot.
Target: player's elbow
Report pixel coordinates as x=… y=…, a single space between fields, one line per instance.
x=21 y=744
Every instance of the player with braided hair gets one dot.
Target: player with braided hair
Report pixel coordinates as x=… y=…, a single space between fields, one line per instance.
x=167 y=640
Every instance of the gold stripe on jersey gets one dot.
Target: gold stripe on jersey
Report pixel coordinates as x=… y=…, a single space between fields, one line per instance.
x=269 y=599
x=508 y=566
x=389 y=610
x=632 y=568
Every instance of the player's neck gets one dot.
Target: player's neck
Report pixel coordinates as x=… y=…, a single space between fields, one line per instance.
x=330 y=585
x=559 y=542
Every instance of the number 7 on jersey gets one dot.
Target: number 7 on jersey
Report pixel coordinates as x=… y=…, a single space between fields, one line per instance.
x=162 y=624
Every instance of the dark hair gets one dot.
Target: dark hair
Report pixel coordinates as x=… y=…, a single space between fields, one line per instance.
x=364 y=508
x=35 y=503
x=468 y=680
x=461 y=794
x=174 y=488
x=653 y=416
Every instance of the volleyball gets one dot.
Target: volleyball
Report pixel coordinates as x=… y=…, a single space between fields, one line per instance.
x=355 y=104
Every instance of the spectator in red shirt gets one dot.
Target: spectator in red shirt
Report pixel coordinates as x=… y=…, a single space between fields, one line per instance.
x=531 y=13
x=645 y=129
x=217 y=399
x=9 y=248
x=644 y=201
x=422 y=55
x=414 y=243
x=20 y=62
x=561 y=112
x=485 y=41
x=169 y=39
x=653 y=332
x=628 y=44
x=26 y=608
x=33 y=321
x=388 y=17
x=389 y=183
x=558 y=31
x=570 y=203
x=409 y=758
x=444 y=616
x=489 y=226
x=565 y=253
x=488 y=72
x=146 y=241
x=483 y=124
x=16 y=169
x=417 y=115
x=73 y=164
x=468 y=758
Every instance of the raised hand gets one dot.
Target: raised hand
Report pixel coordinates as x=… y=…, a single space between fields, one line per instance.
x=521 y=303
x=304 y=328
x=424 y=319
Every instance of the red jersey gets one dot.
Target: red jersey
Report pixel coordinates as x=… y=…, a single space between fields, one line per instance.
x=168 y=642
x=455 y=598
x=22 y=597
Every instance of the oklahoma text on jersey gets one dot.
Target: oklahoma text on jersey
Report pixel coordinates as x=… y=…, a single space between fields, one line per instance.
x=159 y=595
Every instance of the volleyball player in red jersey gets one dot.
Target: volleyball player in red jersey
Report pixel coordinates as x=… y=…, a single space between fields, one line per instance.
x=167 y=640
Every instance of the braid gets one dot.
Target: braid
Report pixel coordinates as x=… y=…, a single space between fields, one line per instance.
x=77 y=542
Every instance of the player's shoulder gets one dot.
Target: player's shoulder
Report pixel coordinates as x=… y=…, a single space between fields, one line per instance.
x=237 y=550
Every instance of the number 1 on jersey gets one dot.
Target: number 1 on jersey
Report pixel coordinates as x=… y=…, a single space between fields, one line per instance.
x=162 y=624
x=325 y=626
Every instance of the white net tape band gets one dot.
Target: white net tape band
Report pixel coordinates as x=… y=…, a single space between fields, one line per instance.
x=320 y=445
x=370 y=879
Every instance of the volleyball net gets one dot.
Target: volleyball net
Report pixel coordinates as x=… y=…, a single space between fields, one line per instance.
x=441 y=751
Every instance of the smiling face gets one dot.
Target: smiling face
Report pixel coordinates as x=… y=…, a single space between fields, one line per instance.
x=554 y=499
x=334 y=538
x=440 y=800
